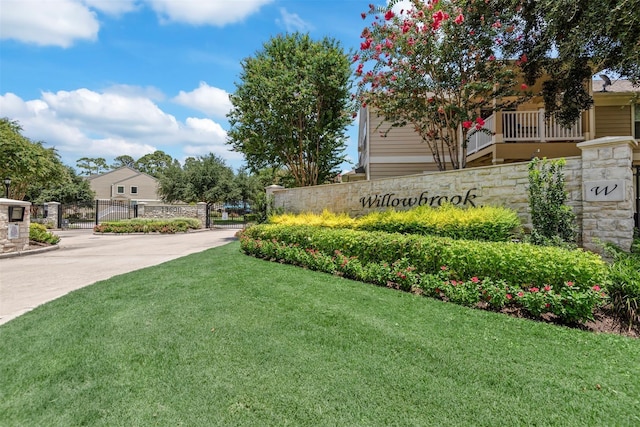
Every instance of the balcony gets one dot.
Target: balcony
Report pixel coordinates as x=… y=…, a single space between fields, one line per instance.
x=523 y=126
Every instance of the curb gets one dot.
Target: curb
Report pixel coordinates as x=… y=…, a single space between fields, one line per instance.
x=29 y=252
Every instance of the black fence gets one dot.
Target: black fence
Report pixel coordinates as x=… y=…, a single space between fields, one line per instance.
x=88 y=215
x=637 y=214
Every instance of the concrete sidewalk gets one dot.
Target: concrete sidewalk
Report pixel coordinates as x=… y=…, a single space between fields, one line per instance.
x=84 y=258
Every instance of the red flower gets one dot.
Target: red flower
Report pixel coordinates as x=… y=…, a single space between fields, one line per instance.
x=547 y=288
x=596 y=288
x=534 y=289
x=467 y=124
x=520 y=294
x=509 y=296
x=569 y=283
x=443 y=268
x=459 y=19
x=492 y=58
x=474 y=279
x=523 y=86
x=480 y=121
x=389 y=15
x=364 y=15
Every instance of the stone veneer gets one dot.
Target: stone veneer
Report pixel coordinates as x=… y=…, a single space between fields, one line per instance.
x=603 y=161
x=199 y=210
x=21 y=242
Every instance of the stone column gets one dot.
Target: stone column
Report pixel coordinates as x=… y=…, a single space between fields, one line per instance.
x=52 y=214
x=202 y=213
x=607 y=191
x=14 y=232
x=141 y=206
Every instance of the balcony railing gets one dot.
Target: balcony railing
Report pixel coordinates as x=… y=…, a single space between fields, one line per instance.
x=525 y=126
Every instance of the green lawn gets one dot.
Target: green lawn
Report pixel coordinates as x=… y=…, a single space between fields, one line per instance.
x=219 y=338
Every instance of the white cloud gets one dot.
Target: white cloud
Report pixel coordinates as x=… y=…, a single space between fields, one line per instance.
x=65 y=22
x=84 y=123
x=207 y=99
x=292 y=22
x=211 y=12
x=52 y=23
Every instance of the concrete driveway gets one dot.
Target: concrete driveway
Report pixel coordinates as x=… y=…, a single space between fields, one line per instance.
x=83 y=258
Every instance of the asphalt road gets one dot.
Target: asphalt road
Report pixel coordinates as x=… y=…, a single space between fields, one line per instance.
x=83 y=258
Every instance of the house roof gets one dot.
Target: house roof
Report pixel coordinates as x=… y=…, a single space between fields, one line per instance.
x=135 y=173
x=617 y=85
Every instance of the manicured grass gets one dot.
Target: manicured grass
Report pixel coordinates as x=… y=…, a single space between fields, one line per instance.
x=219 y=338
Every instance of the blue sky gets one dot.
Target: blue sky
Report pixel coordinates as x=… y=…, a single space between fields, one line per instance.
x=101 y=78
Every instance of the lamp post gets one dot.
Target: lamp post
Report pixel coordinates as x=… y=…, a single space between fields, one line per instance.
x=7 y=183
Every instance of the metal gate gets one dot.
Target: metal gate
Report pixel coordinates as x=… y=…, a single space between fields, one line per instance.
x=219 y=216
x=88 y=215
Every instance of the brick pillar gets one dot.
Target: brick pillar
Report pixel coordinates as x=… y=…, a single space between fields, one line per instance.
x=52 y=214
x=607 y=192
x=202 y=213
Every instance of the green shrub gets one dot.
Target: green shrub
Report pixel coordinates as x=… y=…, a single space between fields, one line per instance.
x=145 y=225
x=553 y=221
x=570 y=302
x=39 y=233
x=623 y=287
x=517 y=263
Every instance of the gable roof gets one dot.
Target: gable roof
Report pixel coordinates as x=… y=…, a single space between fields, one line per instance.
x=134 y=172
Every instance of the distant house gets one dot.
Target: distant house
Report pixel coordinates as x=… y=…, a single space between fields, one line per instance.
x=125 y=183
x=516 y=136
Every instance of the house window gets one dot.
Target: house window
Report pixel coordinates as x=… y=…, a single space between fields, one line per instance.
x=636 y=121
x=134 y=190
x=120 y=189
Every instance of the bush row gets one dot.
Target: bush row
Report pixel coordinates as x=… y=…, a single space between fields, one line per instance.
x=476 y=223
x=141 y=225
x=39 y=233
x=519 y=264
x=569 y=302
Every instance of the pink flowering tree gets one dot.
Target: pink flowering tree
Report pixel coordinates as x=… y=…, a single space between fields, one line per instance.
x=440 y=67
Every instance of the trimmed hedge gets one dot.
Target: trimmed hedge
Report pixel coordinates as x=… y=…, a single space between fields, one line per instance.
x=143 y=225
x=519 y=264
x=487 y=223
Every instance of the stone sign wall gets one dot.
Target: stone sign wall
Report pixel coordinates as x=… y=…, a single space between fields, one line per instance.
x=599 y=185
x=14 y=232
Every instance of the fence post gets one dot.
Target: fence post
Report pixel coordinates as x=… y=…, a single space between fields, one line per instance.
x=202 y=213
x=54 y=214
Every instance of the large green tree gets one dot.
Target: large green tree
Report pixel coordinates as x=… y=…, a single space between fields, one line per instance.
x=292 y=107
x=438 y=66
x=92 y=165
x=123 y=160
x=26 y=162
x=567 y=42
x=202 y=179
x=154 y=164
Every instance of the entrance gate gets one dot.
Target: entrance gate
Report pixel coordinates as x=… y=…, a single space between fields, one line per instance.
x=220 y=217
x=88 y=215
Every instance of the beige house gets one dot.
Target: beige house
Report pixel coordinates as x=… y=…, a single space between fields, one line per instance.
x=517 y=135
x=125 y=183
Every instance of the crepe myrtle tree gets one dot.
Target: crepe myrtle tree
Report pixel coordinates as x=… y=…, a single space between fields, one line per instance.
x=440 y=67
x=292 y=107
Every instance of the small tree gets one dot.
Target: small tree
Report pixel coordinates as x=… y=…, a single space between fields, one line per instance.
x=292 y=108
x=437 y=66
x=553 y=221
